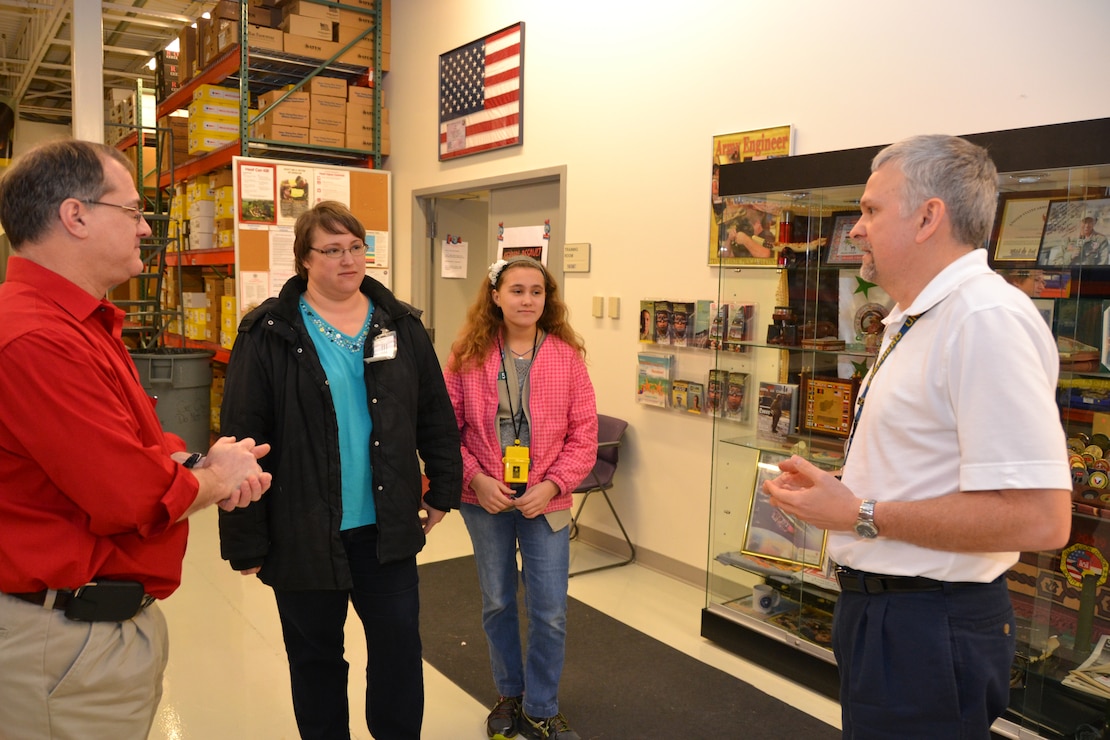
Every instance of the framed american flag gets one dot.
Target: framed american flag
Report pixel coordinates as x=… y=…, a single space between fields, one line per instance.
x=481 y=94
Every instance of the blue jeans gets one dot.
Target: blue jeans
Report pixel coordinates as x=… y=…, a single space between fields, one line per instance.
x=924 y=665
x=387 y=600
x=545 y=557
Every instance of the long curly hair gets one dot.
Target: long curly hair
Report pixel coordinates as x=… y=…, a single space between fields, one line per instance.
x=484 y=319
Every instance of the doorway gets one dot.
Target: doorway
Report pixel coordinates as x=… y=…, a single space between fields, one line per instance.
x=473 y=212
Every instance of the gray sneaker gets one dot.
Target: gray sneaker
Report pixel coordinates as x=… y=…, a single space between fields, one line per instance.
x=503 y=720
x=549 y=728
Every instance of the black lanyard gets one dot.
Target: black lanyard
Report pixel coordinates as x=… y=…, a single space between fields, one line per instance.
x=509 y=391
x=910 y=321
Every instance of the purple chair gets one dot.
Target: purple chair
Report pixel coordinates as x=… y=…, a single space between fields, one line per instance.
x=610 y=430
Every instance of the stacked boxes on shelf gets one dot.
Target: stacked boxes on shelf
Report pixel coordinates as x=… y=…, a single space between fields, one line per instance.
x=320 y=31
x=360 y=120
x=221 y=182
x=287 y=122
x=327 y=112
x=201 y=212
x=213 y=118
x=229 y=319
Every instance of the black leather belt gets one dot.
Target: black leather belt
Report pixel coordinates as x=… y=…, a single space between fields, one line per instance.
x=858 y=581
x=61 y=598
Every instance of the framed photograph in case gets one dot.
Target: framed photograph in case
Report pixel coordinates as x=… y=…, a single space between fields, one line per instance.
x=1018 y=226
x=828 y=405
x=772 y=533
x=1075 y=234
x=842 y=250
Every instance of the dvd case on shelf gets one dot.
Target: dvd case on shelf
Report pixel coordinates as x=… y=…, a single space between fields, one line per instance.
x=715 y=392
x=736 y=396
x=695 y=397
x=778 y=411
x=653 y=380
x=741 y=324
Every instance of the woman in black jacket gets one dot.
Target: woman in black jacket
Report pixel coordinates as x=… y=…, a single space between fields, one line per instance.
x=341 y=379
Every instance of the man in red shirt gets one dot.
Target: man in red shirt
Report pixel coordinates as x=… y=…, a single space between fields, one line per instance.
x=93 y=490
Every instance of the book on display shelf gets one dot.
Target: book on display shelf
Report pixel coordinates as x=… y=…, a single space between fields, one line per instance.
x=653 y=379
x=778 y=411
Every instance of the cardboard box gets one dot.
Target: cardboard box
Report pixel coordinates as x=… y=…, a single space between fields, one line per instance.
x=259 y=15
x=363 y=138
x=283 y=116
x=357 y=93
x=299 y=99
x=328 y=122
x=328 y=106
x=327 y=138
x=259 y=37
x=207 y=125
x=309 y=27
x=311 y=9
x=187 y=53
x=351 y=31
x=309 y=47
x=277 y=132
x=203 y=24
x=222 y=178
x=215 y=111
x=327 y=86
x=360 y=108
x=217 y=94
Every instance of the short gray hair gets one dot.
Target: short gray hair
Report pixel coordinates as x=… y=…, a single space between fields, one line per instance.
x=954 y=170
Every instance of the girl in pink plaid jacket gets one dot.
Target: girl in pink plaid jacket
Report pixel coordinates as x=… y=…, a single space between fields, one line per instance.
x=528 y=425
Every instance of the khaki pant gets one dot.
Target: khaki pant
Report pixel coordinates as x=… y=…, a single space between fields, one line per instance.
x=69 y=680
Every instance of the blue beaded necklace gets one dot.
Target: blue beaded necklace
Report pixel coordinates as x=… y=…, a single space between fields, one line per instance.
x=335 y=336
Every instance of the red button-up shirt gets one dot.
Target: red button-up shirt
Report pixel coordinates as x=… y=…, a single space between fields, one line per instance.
x=87 y=486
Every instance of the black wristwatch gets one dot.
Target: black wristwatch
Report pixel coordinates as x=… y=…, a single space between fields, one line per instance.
x=865 y=524
x=193 y=460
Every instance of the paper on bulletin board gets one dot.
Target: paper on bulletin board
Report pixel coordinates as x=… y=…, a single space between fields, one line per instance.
x=332 y=185
x=254 y=288
x=282 y=262
x=256 y=184
x=453 y=264
x=294 y=192
x=377 y=249
x=523 y=240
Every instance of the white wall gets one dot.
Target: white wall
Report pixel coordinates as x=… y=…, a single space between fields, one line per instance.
x=628 y=97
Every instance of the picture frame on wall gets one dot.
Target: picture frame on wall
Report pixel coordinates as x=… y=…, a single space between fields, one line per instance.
x=743 y=231
x=481 y=95
x=1075 y=234
x=842 y=249
x=773 y=534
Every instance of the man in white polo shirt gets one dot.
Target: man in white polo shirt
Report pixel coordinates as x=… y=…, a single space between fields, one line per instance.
x=957 y=460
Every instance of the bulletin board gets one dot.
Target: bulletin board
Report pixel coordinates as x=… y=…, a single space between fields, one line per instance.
x=271 y=193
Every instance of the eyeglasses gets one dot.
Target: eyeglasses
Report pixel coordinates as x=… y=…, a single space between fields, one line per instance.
x=135 y=213
x=334 y=253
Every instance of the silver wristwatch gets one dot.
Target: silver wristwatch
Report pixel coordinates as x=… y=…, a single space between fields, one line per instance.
x=865 y=524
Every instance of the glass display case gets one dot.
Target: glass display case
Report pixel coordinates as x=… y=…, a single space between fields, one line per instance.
x=770 y=591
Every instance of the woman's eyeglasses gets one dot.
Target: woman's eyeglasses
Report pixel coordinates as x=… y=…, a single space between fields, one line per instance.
x=334 y=253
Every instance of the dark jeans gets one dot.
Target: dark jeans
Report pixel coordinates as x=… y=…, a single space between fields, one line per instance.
x=924 y=665
x=387 y=600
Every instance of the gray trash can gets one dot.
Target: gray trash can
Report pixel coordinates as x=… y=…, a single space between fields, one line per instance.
x=181 y=380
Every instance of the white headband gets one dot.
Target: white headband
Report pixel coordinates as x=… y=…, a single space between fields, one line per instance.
x=496 y=268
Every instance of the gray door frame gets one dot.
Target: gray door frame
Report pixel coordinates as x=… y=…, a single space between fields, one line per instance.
x=423 y=217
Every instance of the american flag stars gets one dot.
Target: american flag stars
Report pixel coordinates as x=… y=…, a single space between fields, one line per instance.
x=462 y=89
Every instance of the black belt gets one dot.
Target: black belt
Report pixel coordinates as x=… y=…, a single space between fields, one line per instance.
x=872 y=583
x=63 y=599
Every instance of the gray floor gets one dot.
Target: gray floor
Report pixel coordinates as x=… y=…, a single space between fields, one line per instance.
x=227 y=676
